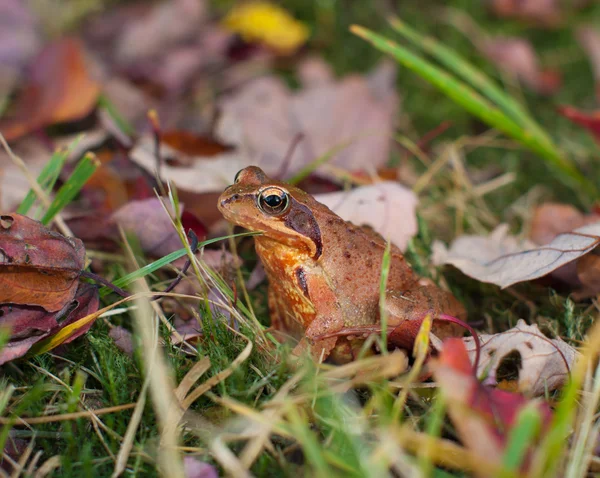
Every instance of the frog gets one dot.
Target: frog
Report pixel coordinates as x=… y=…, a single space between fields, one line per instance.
x=324 y=273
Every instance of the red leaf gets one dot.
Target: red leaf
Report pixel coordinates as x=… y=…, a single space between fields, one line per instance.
x=483 y=416
x=30 y=325
x=38 y=267
x=590 y=121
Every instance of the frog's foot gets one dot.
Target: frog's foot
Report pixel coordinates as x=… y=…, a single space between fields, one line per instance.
x=319 y=350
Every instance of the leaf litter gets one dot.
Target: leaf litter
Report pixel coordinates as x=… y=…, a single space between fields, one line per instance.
x=504 y=260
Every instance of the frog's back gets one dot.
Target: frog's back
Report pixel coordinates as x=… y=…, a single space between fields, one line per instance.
x=353 y=262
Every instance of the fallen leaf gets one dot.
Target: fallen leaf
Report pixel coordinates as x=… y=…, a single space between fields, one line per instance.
x=123 y=339
x=542 y=365
x=193 y=144
x=517 y=58
x=483 y=416
x=551 y=219
x=30 y=325
x=588 y=273
x=267 y=23
x=78 y=322
x=47 y=97
x=352 y=118
x=387 y=207
x=38 y=267
x=151 y=224
x=589 y=38
x=199 y=174
x=590 y=121
x=165 y=25
x=503 y=260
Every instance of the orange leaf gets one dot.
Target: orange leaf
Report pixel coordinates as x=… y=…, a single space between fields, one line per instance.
x=59 y=89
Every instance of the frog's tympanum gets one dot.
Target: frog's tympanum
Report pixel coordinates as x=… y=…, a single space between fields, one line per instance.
x=324 y=273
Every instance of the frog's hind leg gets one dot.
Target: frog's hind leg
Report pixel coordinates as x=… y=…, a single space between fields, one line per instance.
x=408 y=309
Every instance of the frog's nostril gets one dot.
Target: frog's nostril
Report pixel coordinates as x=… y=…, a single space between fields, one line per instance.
x=230 y=199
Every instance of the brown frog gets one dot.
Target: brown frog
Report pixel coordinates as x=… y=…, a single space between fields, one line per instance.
x=324 y=272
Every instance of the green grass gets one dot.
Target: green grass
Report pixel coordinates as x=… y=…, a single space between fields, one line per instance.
x=327 y=421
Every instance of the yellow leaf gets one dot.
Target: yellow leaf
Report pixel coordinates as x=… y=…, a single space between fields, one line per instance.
x=264 y=22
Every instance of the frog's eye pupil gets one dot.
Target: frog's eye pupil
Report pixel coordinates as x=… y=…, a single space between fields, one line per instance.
x=273 y=201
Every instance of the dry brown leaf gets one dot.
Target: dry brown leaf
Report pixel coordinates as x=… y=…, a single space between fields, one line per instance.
x=355 y=114
x=551 y=219
x=38 y=267
x=504 y=260
x=544 y=363
x=387 y=207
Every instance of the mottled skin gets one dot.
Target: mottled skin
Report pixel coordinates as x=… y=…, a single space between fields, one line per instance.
x=324 y=272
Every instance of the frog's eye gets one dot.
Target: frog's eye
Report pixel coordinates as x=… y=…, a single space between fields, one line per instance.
x=273 y=201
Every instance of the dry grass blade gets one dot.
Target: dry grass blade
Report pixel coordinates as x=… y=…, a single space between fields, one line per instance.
x=160 y=381
x=444 y=452
x=48 y=467
x=256 y=445
x=64 y=417
x=199 y=369
x=214 y=380
x=127 y=444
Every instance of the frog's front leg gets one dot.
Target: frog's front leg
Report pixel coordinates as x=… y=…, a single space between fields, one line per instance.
x=327 y=321
x=408 y=309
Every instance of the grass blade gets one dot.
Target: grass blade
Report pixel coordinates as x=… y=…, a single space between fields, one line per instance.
x=46 y=179
x=111 y=109
x=475 y=104
x=521 y=436
x=383 y=280
x=83 y=171
x=475 y=77
x=163 y=261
